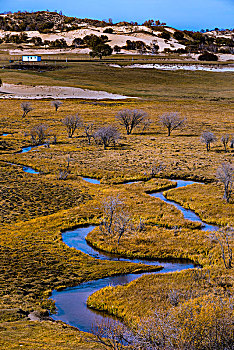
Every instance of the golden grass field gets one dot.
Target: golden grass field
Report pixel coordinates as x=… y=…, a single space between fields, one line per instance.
x=36 y=208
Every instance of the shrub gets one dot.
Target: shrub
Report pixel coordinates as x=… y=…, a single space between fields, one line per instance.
x=108 y=30
x=165 y=35
x=208 y=56
x=178 y=35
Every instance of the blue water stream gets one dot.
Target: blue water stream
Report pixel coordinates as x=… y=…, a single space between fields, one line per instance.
x=71 y=302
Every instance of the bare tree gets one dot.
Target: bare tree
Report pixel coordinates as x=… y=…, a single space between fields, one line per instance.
x=225 y=139
x=26 y=107
x=225 y=238
x=64 y=171
x=208 y=137
x=89 y=131
x=106 y=135
x=232 y=142
x=111 y=335
x=122 y=225
x=179 y=328
x=72 y=122
x=131 y=118
x=38 y=134
x=109 y=207
x=225 y=175
x=115 y=220
x=156 y=169
x=56 y=104
x=141 y=225
x=172 y=121
x=146 y=123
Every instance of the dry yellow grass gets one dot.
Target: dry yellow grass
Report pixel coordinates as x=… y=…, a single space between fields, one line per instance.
x=34 y=259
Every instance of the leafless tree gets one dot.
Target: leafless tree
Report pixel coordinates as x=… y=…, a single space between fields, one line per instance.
x=225 y=175
x=26 y=107
x=141 y=225
x=56 y=104
x=88 y=128
x=111 y=335
x=38 y=134
x=115 y=220
x=64 y=171
x=225 y=238
x=164 y=330
x=109 y=207
x=156 y=169
x=146 y=123
x=208 y=137
x=72 y=122
x=225 y=139
x=106 y=136
x=130 y=118
x=172 y=121
x=122 y=224
x=232 y=141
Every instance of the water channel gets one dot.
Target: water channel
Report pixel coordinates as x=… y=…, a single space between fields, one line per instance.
x=71 y=302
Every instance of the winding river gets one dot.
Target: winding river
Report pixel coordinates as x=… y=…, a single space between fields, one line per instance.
x=27 y=169
x=71 y=302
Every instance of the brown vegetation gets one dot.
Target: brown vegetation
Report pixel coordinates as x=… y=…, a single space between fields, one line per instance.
x=36 y=208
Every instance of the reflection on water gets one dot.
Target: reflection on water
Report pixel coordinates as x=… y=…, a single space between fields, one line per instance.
x=29 y=170
x=90 y=180
x=188 y=214
x=71 y=302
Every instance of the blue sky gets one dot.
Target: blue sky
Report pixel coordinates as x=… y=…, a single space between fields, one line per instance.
x=182 y=14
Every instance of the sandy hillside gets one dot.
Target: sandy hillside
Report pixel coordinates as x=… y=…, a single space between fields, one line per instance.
x=119 y=37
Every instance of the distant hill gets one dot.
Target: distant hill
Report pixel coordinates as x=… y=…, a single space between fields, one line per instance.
x=45 y=29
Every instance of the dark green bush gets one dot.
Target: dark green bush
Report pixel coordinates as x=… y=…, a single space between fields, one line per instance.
x=208 y=56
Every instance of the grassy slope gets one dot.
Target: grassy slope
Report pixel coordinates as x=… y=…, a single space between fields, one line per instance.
x=146 y=83
x=43 y=261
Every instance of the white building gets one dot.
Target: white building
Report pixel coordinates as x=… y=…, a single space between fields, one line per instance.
x=31 y=58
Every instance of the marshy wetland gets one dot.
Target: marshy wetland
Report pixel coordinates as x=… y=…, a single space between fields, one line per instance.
x=43 y=212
